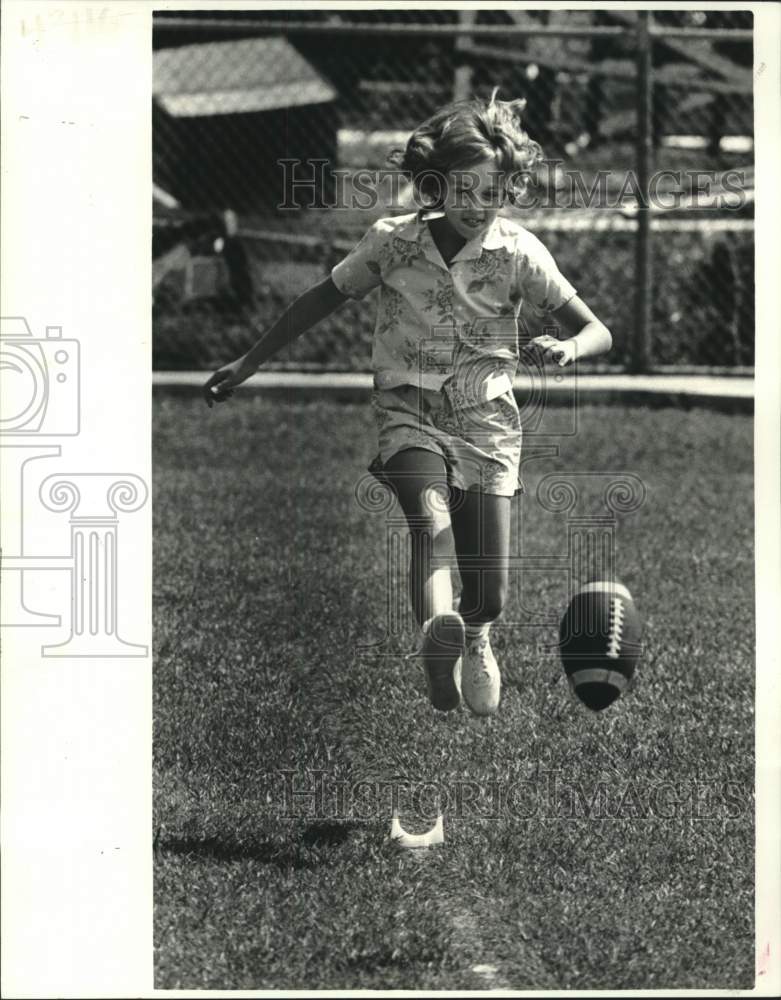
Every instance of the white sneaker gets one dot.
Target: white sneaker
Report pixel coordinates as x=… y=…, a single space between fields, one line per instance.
x=441 y=649
x=481 y=682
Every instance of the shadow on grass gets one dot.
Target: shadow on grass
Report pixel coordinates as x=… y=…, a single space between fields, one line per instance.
x=305 y=853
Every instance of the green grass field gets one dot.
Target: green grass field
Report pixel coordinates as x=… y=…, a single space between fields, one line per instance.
x=268 y=578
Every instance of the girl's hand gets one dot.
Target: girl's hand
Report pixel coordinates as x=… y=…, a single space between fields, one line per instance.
x=222 y=383
x=547 y=348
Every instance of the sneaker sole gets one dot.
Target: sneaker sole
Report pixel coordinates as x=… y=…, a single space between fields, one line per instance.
x=442 y=647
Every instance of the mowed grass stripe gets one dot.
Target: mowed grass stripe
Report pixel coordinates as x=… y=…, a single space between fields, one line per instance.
x=268 y=576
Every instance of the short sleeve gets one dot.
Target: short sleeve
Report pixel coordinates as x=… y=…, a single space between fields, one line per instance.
x=541 y=283
x=359 y=272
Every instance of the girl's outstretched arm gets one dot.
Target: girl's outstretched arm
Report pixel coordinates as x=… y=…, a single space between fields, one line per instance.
x=591 y=336
x=308 y=309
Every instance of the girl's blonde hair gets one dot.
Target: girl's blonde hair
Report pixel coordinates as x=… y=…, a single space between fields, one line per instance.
x=464 y=133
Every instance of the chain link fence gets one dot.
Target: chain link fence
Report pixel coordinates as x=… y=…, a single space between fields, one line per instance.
x=256 y=111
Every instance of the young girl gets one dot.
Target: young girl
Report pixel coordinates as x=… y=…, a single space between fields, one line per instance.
x=453 y=280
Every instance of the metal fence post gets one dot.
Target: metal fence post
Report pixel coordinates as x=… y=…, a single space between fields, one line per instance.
x=641 y=355
x=462 y=81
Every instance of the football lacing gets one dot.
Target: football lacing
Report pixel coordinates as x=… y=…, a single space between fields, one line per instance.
x=615 y=628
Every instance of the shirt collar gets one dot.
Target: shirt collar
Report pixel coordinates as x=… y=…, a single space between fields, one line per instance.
x=492 y=239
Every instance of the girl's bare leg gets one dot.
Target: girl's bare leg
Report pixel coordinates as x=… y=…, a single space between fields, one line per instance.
x=419 y=478
x=481 y=528
x=481 y=531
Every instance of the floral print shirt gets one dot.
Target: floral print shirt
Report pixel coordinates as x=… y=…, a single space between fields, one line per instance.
x=455 y=327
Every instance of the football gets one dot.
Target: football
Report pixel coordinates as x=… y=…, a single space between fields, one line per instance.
x=599 y=642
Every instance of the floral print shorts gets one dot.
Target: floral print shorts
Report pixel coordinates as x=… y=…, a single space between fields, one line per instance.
x=481 y=445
